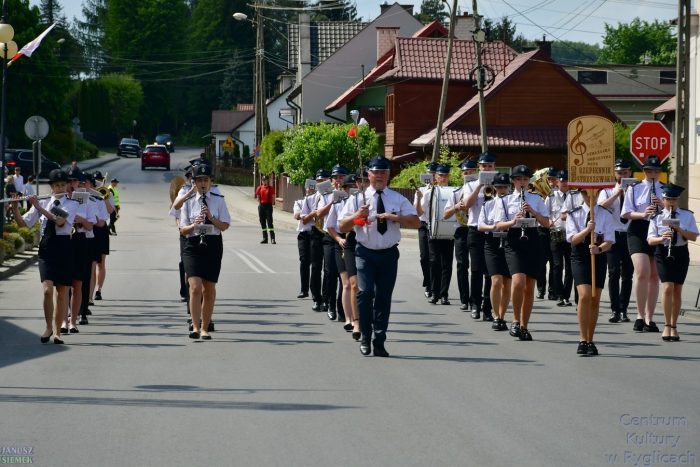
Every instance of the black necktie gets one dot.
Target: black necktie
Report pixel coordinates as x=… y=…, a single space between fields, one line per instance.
x=622 y=201
x=674 y=237
x=381 y=223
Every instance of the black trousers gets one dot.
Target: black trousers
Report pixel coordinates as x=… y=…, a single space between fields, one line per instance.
x=441 y=256
x=376 y=278
x=476 y=242
x=113 y=219
x=544 y=284
x=620 y=271
x=315 y=282
x=563 y=279
x=462 y=256
x=424 y=254
x=304 y=246
x=330 y=273
x=265 y=215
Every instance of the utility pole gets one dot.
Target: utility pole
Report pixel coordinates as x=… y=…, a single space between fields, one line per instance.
x=445 y=81
x=679 y=161
x=260 y=108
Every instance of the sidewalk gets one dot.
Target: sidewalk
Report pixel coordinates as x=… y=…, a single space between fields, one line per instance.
x=22 y=261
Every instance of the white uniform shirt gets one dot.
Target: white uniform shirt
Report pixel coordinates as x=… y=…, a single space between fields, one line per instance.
x=18 y=180
x=556 y=203
x=307 y=205
x=486 y=216
x=102 y=213
x=69 y=205
x=424 y=202
x=92 y=208
x=508 y=206
x=193 y=207
x=367 y=235
x=576 y=222
x=455 y=198
x=176 y=212
x=615 y=209
x=656 y=229
x=333 y=217
x=638 y=197
x=475 y=210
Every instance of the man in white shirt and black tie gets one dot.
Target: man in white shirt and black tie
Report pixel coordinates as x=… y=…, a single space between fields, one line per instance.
x=377 y=226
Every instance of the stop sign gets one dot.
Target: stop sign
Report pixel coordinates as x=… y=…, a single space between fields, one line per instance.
x=650 y=137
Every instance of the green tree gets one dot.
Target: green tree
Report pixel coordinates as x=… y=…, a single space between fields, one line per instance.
x=639 y=42
x=335 y=10
x=575 y=52
x=432 y=10
x=271 y=146
x=310 y=147
x=90 y=32
x=409 y=176
x=504 y=31
x=51 y=12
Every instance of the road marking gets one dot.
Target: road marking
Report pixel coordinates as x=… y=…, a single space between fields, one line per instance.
x=257 y=260
x=247 y=261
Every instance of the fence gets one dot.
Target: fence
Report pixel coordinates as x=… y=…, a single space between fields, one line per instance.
x=234 y=176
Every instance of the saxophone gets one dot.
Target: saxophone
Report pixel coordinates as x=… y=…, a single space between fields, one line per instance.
x=462 y=216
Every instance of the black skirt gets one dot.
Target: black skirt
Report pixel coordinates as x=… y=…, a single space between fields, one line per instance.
x=349 y=254
x=101 y=241
x=637 y=238
x=581 y=266
x=56 y=260
x=203 y=261
x=82 y=257
x=522 y=256
x=339 y=261
x=672 y=270
x=495 y=256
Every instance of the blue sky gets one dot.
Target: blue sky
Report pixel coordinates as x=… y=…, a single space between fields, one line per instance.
x=577 y=20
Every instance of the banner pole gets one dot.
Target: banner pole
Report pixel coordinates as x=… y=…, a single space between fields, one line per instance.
x=592 y=203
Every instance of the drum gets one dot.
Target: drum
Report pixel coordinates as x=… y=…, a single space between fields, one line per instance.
x=438 y=228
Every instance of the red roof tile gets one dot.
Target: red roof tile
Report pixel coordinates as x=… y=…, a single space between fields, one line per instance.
x=508 y=137
x=358 y=87
x=424 y=58
x=433 y=29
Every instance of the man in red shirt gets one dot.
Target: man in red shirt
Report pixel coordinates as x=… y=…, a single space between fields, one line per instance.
x=266 y=195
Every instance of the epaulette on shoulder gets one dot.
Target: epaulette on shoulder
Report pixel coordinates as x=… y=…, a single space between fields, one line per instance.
x=576 y=209
x=216 y=194
x=71 y=199
x=686 y=210
x=95 y=198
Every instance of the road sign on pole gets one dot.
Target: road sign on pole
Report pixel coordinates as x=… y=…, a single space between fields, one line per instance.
x=36 y=128
x=650 y=137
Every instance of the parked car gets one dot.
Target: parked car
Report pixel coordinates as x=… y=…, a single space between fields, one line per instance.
x=166 y=140
x=129 y=147
x=23 y=159
x=155 y=155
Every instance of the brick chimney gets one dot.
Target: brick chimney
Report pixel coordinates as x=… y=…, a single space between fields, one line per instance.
x=386 y=37
x=464 y=27
x=545 y=46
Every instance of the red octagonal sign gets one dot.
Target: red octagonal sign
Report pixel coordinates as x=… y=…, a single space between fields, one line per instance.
x=650 y=137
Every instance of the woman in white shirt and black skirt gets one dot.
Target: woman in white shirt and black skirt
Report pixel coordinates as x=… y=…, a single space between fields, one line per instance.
x=579 y=227
x=203 y=249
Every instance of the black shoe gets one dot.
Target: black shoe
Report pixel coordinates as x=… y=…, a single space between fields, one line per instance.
x=183 y=299
x=464 y=307
x=57 y=340
x=434 y=300
x=263 y=241
x=504 y=325
x=444 y=301
x=567 y=302
x=582 y=348
x=514 y=329
x=324 y=307
x=194 y=335
x=206 y=337
x=302 y=295
x=45 y=339
x=331 y=314
x=625 y=318
x=348 y=327
x=428 y=294
x=614 y=317
x=211 y=328
x=73 y=330
x=551 y=297
x=87 y=311
x=476 y=314
x=651 y=327
x=592 y=349
x=540 y=295
x=638 y=325
x=98 y=295
x=64 y=330
x=561 y=302
x=496 y=325
x=273 y=241
x=83 y=320
x=487 y=316
x=356 y=335
x=365 y=347
x=316 y=306
x=666 y=338
x=380 y=351
x=675 y=338
x=525 y=335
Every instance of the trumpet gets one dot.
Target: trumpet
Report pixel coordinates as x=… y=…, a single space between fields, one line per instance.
x=523 y=235
x=23 y=198
x=489 y=191
x=104 y=192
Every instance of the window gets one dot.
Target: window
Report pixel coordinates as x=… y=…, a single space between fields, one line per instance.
x=389 y=107
x=593 y=77
x=667 y=77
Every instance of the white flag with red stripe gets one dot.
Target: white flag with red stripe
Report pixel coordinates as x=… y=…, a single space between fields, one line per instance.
x=29 y=49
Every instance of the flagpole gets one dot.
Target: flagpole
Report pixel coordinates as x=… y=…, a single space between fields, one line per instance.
x=3 y=116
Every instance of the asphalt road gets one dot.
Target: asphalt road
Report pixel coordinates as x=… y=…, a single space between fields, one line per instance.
x=282 y=385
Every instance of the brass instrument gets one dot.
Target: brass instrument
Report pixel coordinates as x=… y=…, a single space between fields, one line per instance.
x=176 y=184
x=489 y=192
x=104 y=192
x=539 y=183
x=23 y=198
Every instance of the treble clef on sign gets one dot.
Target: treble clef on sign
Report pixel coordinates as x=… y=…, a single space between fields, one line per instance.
x=577 y=146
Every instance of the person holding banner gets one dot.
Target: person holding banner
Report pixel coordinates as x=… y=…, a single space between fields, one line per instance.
x=494 y=253
x=580 y=227
x=669 y=233
x=640 y=204
x=522 y=247
x=421 y=201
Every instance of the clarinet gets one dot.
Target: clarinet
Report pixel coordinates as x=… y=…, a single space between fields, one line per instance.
x=202 y=235
x=653 y=193
x=669 y=253
x=523 y=235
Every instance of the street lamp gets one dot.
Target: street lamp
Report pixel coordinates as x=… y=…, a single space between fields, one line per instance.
x=259 y=82
x=8 y=49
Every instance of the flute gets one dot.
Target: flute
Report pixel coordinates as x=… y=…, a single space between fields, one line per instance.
x=23 y=198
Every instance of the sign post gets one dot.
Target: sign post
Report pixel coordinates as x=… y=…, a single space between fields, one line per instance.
x=36 y=128
x=650 y=137
x=591 y=161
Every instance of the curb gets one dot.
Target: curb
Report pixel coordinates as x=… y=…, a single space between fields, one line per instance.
x=19 y=263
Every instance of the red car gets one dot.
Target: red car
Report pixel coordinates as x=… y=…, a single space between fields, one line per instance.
x=155 y=155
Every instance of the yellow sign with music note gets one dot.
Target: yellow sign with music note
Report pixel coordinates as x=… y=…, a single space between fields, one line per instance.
x=591 y=152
